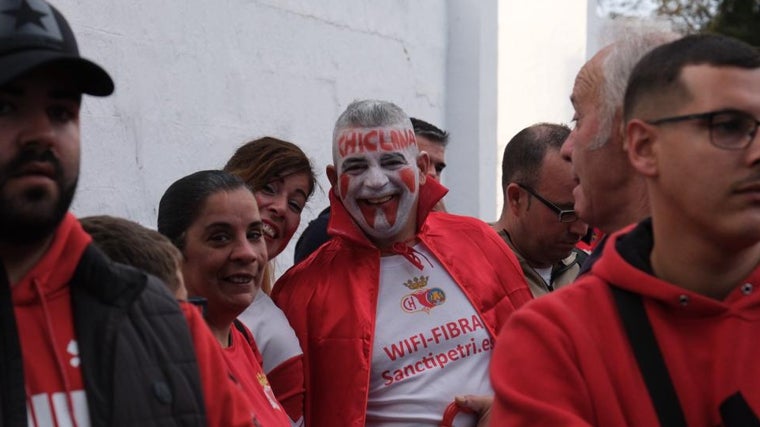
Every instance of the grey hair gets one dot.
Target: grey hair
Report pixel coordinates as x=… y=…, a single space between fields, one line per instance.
x=369 y=113
x=617 y=65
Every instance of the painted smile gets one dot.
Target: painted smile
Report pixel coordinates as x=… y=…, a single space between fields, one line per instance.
x=387 y=206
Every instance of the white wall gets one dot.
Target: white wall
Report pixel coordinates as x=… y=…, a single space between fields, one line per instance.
x=197 y=78
x=542 y=45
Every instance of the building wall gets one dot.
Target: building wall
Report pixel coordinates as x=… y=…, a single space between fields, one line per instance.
x=196 y=78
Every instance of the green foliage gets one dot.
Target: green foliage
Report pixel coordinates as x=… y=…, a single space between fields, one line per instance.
x=735 y=18
x=739 y=19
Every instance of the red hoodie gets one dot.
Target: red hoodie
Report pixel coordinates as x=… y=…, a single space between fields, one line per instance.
x=42 y=304
x=565 y=360
x=52 y=374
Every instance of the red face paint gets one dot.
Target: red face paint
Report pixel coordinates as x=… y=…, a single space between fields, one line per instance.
x=389 y=209
x=407 y=176
x=344 y=180
x=369 y=213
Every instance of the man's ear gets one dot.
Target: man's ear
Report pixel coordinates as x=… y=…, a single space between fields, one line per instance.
x=514 y=198
x=641 y=145
x=332 y=175
x=423 y=164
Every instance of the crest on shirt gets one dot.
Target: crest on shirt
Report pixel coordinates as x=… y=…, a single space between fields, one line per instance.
x=423 y=298
x=267 y=390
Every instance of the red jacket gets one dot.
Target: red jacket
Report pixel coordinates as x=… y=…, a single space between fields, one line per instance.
x=565 y=360
x=330 y=299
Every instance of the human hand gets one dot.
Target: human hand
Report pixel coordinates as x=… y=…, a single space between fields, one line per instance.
x=481 y=405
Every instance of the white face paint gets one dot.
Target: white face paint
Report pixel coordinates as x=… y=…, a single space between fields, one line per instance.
x=378 y=179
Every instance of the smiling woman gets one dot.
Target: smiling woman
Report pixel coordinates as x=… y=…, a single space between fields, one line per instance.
x=282 y=179
x=212 y=218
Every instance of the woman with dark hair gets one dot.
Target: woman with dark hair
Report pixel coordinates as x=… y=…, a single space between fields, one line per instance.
x=282 y=179
x=213 y=219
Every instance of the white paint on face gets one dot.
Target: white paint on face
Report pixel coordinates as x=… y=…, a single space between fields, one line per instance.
x=378 y=181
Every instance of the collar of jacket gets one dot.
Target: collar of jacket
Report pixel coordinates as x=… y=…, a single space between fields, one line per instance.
x=342 y=224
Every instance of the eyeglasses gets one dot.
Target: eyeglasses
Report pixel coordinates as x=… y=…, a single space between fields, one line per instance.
x=564 y=215
x=729 y=129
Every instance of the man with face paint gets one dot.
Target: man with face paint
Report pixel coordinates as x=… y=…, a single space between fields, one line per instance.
x=430 y=139
x=397 y=313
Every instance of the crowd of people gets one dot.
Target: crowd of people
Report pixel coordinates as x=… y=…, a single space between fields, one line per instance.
x=617 y=288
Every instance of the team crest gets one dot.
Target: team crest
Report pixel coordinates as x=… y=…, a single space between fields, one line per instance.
x=267 y=390
x=422 y=299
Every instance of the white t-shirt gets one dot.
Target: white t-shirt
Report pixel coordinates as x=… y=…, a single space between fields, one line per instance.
x=274 y=336
x=430 y=345
x=545 y=273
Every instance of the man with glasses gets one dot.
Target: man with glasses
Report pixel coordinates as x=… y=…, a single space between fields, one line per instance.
x=537 y=220
x=663 y=330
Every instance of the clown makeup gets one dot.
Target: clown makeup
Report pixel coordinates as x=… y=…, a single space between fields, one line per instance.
x=378 y=180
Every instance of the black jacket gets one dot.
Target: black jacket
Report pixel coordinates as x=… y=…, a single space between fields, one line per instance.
x=138 y=362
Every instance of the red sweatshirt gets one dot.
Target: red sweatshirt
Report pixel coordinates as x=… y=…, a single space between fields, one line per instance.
x=42 y=304
x=52 y=374
x=565 y=360
x=226 y=404
x=245 y=365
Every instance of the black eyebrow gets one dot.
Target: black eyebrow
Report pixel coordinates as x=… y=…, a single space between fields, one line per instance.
x=354 y=161
x=393 y=156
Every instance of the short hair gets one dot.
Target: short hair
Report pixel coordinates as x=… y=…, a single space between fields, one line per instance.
x=616 y=69
x=525 y=152
x=369 y=113
x=182 y=202
x=130 y=243
x=263 y=160
x=429 y=131
x=658 y=72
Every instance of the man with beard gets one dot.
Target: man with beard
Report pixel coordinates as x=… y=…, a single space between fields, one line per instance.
x=397 y=313
x=84 y=341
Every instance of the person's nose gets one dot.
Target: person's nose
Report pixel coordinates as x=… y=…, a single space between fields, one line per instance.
x=753 y=150
x=566 y=150
x=578 y=228
x=243 y=251
x=376 y=179
x=38 y=129
x=278 y=205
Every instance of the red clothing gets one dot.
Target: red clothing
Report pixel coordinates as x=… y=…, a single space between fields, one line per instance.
x=330 y=299
x=246 y=369
x=42 y=304
x=565 y=360
x=226 y=405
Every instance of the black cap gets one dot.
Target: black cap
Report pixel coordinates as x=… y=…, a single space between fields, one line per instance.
x=34 y=34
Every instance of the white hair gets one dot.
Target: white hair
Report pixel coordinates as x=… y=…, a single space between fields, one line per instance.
x=634 y=40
